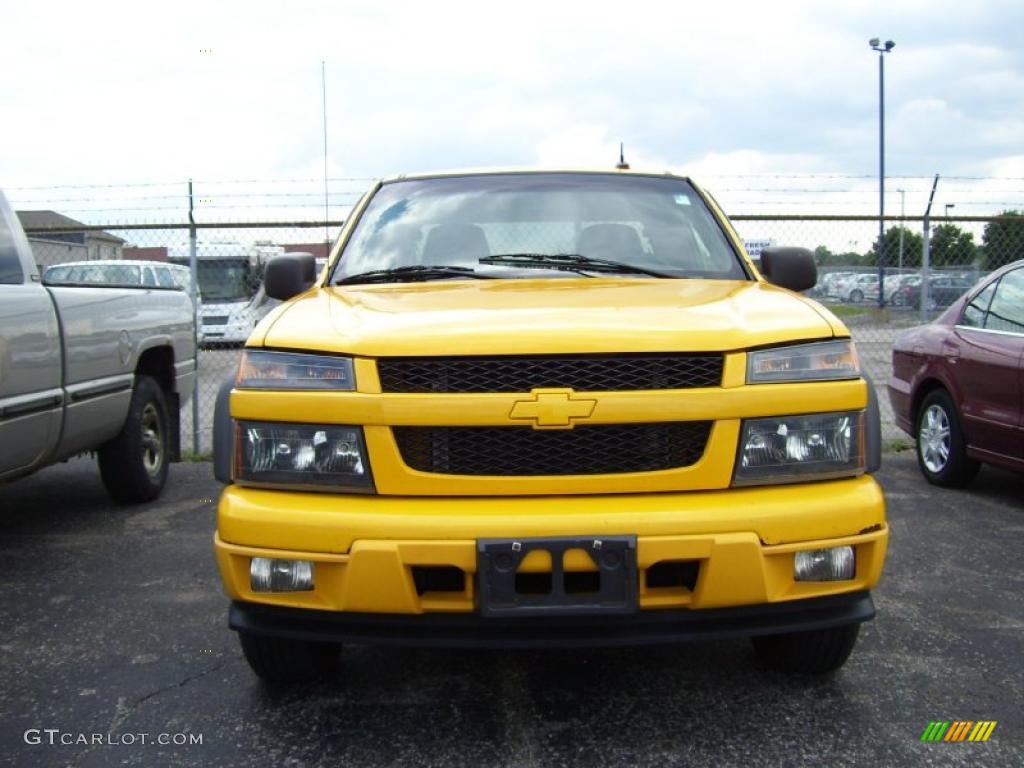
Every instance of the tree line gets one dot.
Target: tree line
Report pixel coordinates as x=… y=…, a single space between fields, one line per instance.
x=950 y=246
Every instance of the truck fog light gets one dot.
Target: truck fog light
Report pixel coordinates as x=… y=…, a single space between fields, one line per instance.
x=835 y=564
x=272 y=575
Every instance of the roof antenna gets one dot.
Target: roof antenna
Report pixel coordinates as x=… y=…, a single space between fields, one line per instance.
x=622 y=165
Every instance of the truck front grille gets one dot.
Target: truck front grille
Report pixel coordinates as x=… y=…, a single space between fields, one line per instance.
x=524 y=451
x=585 y=373
x=215 y=319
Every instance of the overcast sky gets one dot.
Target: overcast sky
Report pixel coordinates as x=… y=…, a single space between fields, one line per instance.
x=101 y=93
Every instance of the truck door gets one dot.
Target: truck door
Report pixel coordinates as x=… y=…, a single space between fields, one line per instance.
x=988 y=371
x=30 y=361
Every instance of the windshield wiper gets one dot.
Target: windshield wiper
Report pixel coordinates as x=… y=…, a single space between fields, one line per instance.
x=410 y=274
x=571 y=262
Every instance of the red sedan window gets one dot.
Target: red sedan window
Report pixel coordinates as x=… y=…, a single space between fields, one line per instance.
x=1006 y=313
x=974 y=312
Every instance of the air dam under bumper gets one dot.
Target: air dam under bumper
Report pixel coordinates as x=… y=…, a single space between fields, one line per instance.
x=474 y=631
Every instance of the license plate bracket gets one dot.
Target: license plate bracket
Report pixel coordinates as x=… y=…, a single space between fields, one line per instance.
x=498 y=562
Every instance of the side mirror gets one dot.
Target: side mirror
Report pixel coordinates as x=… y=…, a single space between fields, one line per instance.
x=792 y=268
x=289 y=274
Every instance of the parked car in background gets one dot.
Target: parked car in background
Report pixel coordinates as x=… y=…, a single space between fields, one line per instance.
x=893 y=285
x=121 y=272
x=125 y=272
x=830 y=283
x=943 y=290
x=231 y=277
x=858 y=288
x=88 y=367
x=957 y=385
x=821 y=288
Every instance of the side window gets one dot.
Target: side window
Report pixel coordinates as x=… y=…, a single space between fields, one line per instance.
x=124 y=274
x=10 y=267
x=182 y=278
x=1006 y=313
x=974 y=312
x=163 y=277
x=147 y=277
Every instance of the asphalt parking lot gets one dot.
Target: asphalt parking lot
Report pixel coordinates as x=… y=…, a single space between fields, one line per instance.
x=114 y=629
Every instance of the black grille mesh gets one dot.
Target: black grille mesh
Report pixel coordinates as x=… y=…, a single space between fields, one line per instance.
x=524 y=451
x=586 y=373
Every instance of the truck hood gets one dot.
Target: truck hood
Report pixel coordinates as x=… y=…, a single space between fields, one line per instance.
x=545 y=316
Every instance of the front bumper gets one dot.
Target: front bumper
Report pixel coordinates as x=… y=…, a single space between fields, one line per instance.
x=365 y=549
x=473 y=631
x=225 y=334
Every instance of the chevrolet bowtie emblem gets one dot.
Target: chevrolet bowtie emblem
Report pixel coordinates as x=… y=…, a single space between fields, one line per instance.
x=552 y=409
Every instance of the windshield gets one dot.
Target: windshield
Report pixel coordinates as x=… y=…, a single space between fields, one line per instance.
x=223 y=280
x=657 y=224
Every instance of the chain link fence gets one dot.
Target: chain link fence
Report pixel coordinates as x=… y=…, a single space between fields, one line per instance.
x=928 y=264
x=230 y=260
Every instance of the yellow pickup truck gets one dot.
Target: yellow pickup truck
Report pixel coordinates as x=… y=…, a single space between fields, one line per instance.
x=546 y=408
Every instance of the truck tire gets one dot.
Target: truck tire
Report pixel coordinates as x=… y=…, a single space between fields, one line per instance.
x=278 y=660
x=133 y=465
x=816 y=652
x=941 y=447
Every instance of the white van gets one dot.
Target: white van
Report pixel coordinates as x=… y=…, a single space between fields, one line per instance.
x=121 y=272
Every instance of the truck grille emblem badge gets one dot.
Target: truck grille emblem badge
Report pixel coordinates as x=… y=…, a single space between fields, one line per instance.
x=552 y=409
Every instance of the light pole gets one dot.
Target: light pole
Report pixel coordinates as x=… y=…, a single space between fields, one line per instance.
x=903 y=209
x=882 y=50
x=948 y=206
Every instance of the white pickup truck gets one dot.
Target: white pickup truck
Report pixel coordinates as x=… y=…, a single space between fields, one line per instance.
x=90 y=368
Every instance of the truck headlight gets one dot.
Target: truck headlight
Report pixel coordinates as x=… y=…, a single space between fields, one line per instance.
x=301 y=455
x=819 y=361
x=260 y=369
x=784 y=449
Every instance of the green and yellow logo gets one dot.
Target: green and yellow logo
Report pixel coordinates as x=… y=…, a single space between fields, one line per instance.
x=959 y=730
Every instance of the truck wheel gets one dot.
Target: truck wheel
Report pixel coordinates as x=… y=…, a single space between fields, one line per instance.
x=810 y=653
x=941 y=448
x=277 y=660
x=133 y=465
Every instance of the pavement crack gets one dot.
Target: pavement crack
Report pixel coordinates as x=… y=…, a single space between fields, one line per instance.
x=123 y=710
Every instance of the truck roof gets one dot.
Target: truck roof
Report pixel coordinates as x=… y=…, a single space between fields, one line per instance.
x=530 y=170
x=121 y=263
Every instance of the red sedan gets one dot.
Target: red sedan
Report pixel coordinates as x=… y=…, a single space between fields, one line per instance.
x=957 y=385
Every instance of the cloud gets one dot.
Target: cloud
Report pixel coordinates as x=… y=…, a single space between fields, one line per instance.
x=125 y=92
